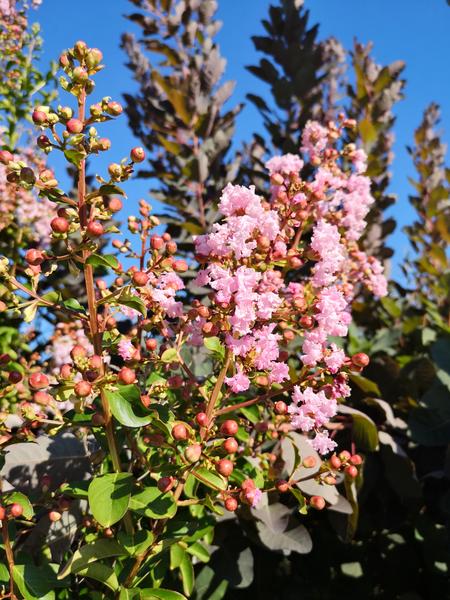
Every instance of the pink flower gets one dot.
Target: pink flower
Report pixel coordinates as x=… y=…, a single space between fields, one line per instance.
x=126 y=349
x=314 y=138
x=239 y=382
x=288 y=163
x=322 y=443
x=335 y=359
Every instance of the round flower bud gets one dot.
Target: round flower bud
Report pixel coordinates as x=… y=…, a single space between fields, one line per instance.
x=137 y=154
x=140 y=278
x=80 y=75
x=317 y=502
x=34 y=257
x=282 y=486
x=230 y=445
x=59 y=225
x=115 y=171
x=16 y=510
x=54 y=516
x=156 y=242
x=281 y=407
x=93 y=58
x=193 y=453
x=38 y=381
x=165 y=484
x=43 y=142
x=74 y=126
x=15 y=377
x=114 y=108
x=356 y=459
x=351 y=471
x=201 y=419
x=179 y=432
x=2 y=513
x=126 y=375
x=83 y=389
x=39 y=117
x=151 y=344
x=229 y=427
x=95 y=229
x=224 y=467
x=78 y=352
x=335 y=462
x=344 y=455
x=115 y=204
x=27 y=175
x=360 y=360
x=307 y=321
x=231 y=504
x=309 y=462
x=180 y=266
x=171 y=247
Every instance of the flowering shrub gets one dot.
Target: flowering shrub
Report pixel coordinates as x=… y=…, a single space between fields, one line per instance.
x=186 y=410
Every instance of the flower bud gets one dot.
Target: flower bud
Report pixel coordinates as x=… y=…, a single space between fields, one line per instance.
x=201 y=419
x=351 y=471
x=93 y=58
x=230 y=445
x=224 y=467
x=96 y=110
x=34 y=257
x=140 y=278
x=59 y=225
x=39 y=117
x=179 y=432
x=309 y=462
x=356 y=459
x=137 y=154
x=281 y=407
x=229 y=427
x=83 y=389
x=38 y=381
x=165 y=484
x=282 y=486
x=335 y=462
x=231 y=504
x=360 y=360
x=42 y=398
x=156 y=242
x=115 y=204
x=74 y=126
x=78 y=352
x=16 y=510
x=114 y=108
x=80 y=75
x=317 y=502
x=65 y=112
x=27 y=175
x=126 y=375
x=115 y=171
x=15 y=377
x=193 y=453
x=54 y=516
x=95 y=229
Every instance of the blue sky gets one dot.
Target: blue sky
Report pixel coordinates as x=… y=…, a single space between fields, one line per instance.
x=415 y=31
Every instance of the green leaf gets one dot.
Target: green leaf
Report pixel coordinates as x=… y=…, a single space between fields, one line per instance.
x=75 y=156
x=99 y=260
x=213 y=344
x=391 y=307
x=103 y=573
x=153 y=503
x=300 y=499
x=170 y=355
x=136 y=543
x=110 y=188
x=187 y=575
x=366 y=385
x=73 y=304
x=209 y=478
x=364 y=430
x=177 y=553
x=160 y=594
x=205 y=579
x=198 y=550
x=37 y=583
x=126 y=406
x=19 y=498
x=90 y=553
x=134 y=302
x=109 y=497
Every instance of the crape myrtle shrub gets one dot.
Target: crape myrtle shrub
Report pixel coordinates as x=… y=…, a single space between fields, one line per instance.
x=187 y=425
x=400 y=540
x=173 y=442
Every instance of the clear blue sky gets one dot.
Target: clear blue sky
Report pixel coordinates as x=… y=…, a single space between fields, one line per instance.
x=415 y=31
